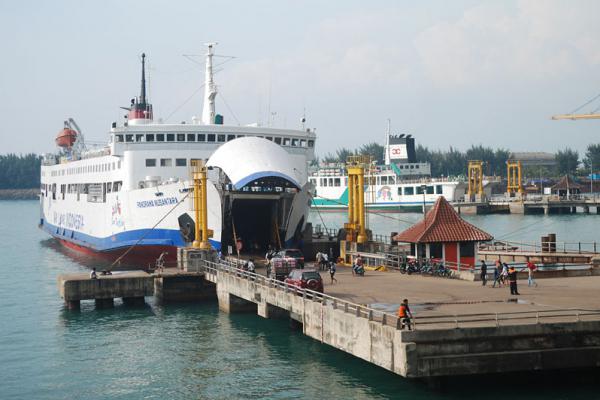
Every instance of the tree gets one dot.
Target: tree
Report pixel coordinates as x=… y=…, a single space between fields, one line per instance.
x=455 y=162
x=567 y=161
x=329 y=158
x=500 y=157
x=342 y=154
x=592 y=157
x=19 y=171
x=374 y=150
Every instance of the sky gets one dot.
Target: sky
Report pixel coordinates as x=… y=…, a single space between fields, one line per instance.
x=451 y=73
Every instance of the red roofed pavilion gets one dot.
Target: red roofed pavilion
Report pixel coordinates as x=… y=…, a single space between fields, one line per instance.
x=443 y=234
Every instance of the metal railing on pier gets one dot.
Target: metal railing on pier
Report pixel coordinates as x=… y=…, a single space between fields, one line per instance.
x=442 y=321
x=320 y=231
x=546 y=247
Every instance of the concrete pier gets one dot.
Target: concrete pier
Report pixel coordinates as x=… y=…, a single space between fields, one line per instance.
x=132 y=286
x=442 y=344
x=546 y=204
x=460 y=327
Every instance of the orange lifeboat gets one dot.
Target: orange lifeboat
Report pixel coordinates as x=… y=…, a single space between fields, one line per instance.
x=66 y=138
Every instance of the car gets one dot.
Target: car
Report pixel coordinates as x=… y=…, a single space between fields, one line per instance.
x=292 y=253
x=305 y=279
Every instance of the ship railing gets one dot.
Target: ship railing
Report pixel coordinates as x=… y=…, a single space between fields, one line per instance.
x=419 y=322
x=321 y=231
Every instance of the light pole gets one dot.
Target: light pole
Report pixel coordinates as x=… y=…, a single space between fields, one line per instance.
x=423 y=189
x=591 y=178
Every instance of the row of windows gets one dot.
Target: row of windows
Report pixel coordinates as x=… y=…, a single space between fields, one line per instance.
x=91 y=189
x=86 y=169
x=411 y=190
x=166 y=162
x=406 y=191
x=379 y=180
x=206 y=137
x=409 y=166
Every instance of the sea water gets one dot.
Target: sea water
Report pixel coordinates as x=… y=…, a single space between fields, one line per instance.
x=196 y=352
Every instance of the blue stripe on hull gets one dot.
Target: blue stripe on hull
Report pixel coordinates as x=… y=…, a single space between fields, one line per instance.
x=152 y=237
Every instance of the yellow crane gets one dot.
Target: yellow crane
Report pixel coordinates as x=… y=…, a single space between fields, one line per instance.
x=573 y=116
x=576 y=116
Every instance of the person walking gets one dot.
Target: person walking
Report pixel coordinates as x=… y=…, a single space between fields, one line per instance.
x=504 y=274
x=332 y=271
x=531 y=267
x=318 y=259
x=404 y=315
x=512 y=279
x=483 y=273
x=497 y=274
x=93 y=274
x=324 y=262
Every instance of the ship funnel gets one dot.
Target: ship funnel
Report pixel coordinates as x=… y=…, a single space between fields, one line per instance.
x=210 y=90
x=140 y=111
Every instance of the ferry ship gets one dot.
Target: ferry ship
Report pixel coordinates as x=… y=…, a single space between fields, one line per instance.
x=134 y=194
x=400 y=184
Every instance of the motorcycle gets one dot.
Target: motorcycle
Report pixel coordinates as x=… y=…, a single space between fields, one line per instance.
x=358 y=270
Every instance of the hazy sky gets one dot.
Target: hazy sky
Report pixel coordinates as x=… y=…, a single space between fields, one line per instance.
x=452 y=73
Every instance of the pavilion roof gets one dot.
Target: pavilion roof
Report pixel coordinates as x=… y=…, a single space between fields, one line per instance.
x=442 y=224
x=566 y=182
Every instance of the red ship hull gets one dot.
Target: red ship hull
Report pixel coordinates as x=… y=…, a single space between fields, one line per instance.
x=143 y=257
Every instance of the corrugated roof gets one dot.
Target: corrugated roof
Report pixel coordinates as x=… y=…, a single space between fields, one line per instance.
x=442 y=224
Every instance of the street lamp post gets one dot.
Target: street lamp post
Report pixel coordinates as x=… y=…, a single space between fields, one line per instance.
x=591 y=178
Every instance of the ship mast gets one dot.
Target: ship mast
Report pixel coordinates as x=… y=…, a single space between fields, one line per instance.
x=387 y=142
x=140 y=111
x=143 y=86
x=210 y=90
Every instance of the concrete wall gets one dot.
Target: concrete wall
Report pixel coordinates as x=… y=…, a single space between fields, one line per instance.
x=183 y=287
x=369 y=340
x=506 y=348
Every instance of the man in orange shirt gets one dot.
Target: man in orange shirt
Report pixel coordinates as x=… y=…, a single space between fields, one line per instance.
x=404 y=315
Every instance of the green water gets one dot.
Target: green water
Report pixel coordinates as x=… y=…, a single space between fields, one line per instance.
x=186 y=351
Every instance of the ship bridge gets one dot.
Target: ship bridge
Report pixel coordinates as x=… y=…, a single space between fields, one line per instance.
x=262 y=188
